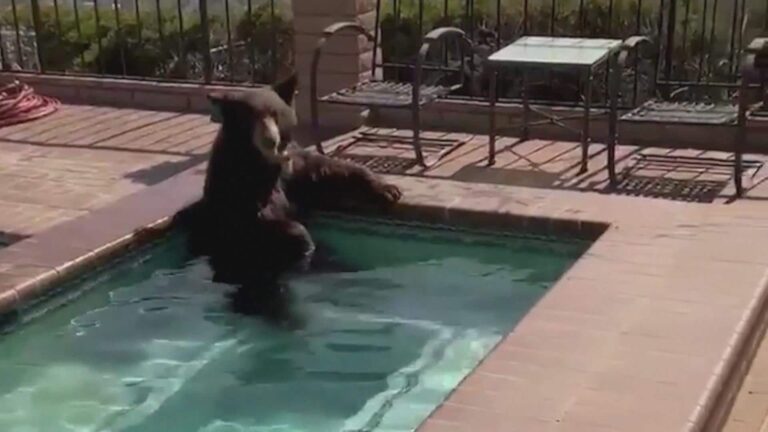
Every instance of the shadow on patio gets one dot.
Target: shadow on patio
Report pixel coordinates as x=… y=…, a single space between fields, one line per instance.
x=679 y=175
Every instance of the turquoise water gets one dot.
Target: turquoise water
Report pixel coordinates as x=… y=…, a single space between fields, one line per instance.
x=388 y=329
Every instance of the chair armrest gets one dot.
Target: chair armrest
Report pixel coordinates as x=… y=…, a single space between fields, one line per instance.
x=754 y=69
x=632 y=43
x=440 y=33
x=754 y=64
x=329 y=31
x=429 y=39
x=757 y=45
x=346 y=25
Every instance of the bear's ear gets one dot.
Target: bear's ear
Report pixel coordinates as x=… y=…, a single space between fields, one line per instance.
x=220 y=97
x=286 y=89
x=215 y=96
x=217 y=99
x=227 y=98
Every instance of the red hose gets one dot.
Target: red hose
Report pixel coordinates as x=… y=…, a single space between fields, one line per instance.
x=19 y=103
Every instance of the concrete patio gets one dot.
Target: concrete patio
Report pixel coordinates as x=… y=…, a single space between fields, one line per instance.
x=84 y=157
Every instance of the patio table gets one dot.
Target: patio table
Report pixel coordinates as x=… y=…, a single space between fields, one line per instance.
x=556 y=53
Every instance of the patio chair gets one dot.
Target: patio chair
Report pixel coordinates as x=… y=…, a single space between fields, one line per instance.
x=725 y=119
x=391 y=94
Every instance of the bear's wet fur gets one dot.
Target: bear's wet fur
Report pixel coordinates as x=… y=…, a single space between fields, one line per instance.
x=258 y=186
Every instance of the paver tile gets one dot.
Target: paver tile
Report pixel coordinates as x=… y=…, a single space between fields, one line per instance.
x=83 y=158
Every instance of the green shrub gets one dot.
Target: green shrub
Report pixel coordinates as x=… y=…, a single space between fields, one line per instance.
x=270 y=40
x=139 y=48
x=696 y=53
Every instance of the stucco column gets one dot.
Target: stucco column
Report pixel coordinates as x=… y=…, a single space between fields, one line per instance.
x=346 y=58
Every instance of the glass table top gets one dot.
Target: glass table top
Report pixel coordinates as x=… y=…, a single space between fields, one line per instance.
x=565 y=51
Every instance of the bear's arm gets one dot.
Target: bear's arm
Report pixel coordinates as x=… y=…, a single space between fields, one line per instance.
x=316 y=181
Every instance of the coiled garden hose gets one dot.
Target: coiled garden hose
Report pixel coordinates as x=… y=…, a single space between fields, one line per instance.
x=19 y=103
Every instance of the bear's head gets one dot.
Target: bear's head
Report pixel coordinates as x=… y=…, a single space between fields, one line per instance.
x=260 y=119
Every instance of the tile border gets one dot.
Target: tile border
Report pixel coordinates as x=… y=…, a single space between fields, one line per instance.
x=73 y=247
x=17 y=295
x=734 y=368
x=67 y=250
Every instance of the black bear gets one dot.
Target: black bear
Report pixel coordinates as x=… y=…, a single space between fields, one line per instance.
x=258 y=184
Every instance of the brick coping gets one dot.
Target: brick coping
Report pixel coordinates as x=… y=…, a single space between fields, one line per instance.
x=61 y=253
x=638 y=329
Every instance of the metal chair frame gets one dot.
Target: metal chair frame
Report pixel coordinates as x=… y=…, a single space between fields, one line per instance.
x=390 y=94
x=733 y=115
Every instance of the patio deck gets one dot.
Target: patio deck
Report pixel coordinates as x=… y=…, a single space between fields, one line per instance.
x=83 y=158
x=637 y=336
x=678 y=175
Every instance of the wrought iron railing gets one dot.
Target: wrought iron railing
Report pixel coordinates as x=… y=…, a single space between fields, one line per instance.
x=251 y=41
x=242 y=41
x=697 y=41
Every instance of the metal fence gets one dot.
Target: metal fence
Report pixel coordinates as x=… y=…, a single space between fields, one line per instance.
x=242 y=41
x=251 y=41
x=697 y=41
